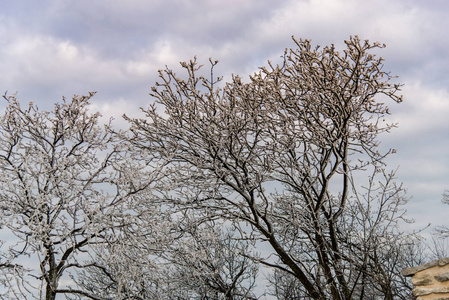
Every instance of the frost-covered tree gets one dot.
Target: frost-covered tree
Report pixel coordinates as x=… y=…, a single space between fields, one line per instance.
x=130 y=266
x=208 y=261
x=284 y=157
x=60 y=194
x=166 y=252
x=179 y=261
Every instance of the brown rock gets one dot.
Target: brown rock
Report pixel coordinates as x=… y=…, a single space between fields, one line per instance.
x=443 y=261
x=442 y=277
x=411 y=271
x=414 y=270
x=423 y=280
x=423 y=291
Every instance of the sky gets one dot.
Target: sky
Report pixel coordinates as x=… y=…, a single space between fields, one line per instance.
x=50 y=49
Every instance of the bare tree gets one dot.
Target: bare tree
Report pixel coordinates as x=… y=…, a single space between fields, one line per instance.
x=284 y=157
x=182 y=260
x=10 y=275
x=374 y=250
x=442 y=232
x=209 y=262
x=59 y=194
x=125 y=268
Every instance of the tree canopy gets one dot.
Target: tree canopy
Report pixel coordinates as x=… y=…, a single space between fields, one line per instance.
x=282 y=171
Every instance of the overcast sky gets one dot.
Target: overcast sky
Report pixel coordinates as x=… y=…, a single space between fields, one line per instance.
x=51 y=49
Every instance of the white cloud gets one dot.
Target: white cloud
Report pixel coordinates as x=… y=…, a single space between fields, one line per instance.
x=424 y=109
x=60 y=48
x=42 y=66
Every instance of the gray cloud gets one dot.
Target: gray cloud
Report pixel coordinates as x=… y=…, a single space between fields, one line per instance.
x=55 y=48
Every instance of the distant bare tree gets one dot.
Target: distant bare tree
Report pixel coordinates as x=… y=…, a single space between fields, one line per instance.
x=443 y=231
x=209 y=262
x=446 y=197
x=192 y=262
x=284 y=157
